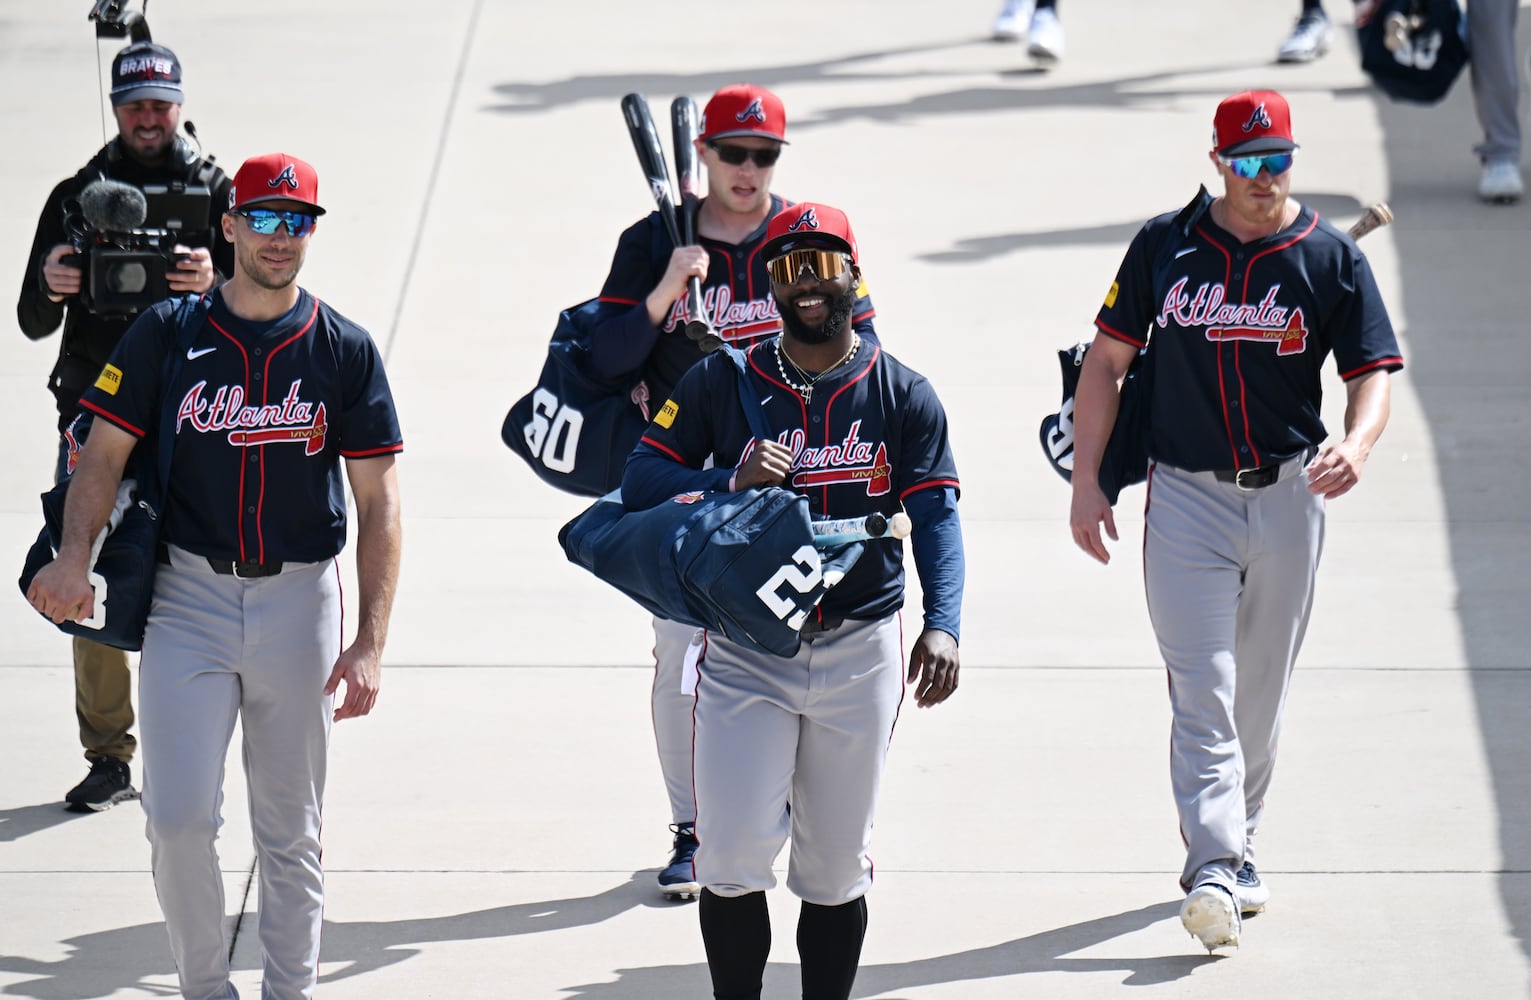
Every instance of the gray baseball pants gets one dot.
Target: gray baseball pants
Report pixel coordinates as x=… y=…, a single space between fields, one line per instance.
x=219 y=648
x=671 y=700
x=812 y=730
x=1229 y=576
x=1495 y=73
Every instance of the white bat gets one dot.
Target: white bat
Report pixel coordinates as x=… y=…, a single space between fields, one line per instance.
x=828 y=534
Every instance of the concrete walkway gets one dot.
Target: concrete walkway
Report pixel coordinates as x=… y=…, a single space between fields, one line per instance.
x=492 y=829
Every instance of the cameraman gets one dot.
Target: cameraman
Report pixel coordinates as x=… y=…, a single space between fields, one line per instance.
x=146 y=101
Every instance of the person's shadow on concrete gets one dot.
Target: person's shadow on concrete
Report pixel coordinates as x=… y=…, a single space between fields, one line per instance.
x=102 y=963
x=24 y=821
x=1038 y=953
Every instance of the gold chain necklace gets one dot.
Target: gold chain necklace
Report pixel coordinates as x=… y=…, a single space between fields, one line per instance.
x=806 y=390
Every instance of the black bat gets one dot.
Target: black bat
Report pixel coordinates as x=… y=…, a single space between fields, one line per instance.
x=640 y=126
x=688 y=178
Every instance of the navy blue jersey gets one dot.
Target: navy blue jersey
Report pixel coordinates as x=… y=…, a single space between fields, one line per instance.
x=1240 y=334
x=874 y=434
x=737 y=294
x=263 y=414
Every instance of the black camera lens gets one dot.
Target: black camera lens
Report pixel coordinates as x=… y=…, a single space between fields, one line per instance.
x=127 y=278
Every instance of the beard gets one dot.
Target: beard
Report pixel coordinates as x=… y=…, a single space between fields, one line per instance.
x=840 y=309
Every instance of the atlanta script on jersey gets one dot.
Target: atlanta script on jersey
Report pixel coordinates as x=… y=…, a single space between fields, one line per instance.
x=263 y=412
x=1240 y=333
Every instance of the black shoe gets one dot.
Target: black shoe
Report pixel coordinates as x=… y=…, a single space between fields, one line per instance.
x=108 y=783
x=678 y=880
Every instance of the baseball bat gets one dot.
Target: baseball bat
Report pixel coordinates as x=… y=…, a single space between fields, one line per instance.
x=1376 y=217
x=828 y=534
x=640 y=127
x=688 y=178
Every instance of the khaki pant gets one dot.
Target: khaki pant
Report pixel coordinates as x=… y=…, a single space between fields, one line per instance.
x=103 y=700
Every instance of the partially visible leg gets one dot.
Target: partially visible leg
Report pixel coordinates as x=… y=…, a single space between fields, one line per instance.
x=103 y=700
x=672 y=701
x=829 y=947
x=736 y=933
x=188 y=700
x=1496 y=95
x=292 y=638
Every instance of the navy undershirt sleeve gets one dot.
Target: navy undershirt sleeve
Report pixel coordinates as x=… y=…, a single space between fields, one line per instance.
x=938 y=556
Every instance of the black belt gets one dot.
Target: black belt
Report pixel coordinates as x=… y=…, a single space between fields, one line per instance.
x=1250 y=479
x=230 y=567
x=814 y=626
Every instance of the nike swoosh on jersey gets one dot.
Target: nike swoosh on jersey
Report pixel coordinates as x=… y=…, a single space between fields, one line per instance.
x=1181 y=253
x=768 y=399
x=193 y=354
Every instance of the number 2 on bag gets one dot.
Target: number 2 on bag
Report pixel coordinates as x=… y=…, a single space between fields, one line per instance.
x=553 y=432
x=803 y=573
x=97 y=619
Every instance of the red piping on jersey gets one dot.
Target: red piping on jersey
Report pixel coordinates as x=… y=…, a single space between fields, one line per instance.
x=954 y=484
x=618 y=302
x=239 y=500
x=1222 y=387
x=1119 y=335
x=386 y=450
x=1371 y=366
x=265 y=399
x=135 y=431
x=659 y=447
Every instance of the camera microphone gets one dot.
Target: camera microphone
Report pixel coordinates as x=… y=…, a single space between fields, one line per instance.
x=112 y=206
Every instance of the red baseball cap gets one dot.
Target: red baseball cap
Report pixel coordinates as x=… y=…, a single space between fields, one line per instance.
x=808 y=226
x=275 y=177
x=744 y=109
x=1256 y=121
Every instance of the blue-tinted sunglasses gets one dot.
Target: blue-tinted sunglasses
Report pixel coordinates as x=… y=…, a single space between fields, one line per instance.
x=265 y=221
x=1248 y=167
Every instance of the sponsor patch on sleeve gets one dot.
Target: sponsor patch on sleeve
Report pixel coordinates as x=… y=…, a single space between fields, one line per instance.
x=1111 y=295
x=109 y=379
x=666 y=415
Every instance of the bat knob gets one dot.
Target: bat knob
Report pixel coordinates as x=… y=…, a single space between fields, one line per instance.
x=702 y=333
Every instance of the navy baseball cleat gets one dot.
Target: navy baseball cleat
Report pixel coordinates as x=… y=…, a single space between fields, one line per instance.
x=1250 y=893
x=108 y=783
x=678 y=880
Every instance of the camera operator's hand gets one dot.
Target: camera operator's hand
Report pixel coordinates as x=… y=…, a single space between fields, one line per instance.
x=63 y=279
x=193 y=271
x=685 y=263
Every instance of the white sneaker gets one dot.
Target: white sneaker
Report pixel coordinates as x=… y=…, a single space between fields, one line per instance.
x=1500 y=183
x=1308 y=40
x=1210 y=916
x=1010 y=25
x=1249 y=891
x=1046 y=36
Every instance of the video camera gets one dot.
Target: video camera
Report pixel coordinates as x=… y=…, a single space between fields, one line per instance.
x=124 y=237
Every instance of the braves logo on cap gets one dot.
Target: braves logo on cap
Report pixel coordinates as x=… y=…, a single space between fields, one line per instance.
x=754 y=112
x=288 y=176
x=805 y=221
x=1259 y=117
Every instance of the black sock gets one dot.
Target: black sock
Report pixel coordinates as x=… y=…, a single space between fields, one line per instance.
x=1311 y=5
x=736 y=931
x=829 y=947
x=1046 y=3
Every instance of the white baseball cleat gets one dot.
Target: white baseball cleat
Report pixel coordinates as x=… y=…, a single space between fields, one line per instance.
x=1211 y=917
x=1010 y=25
x=1046 y=36
x=1500 y=183
x=1248 y=891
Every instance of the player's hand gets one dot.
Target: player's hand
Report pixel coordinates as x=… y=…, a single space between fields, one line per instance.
x=62 y=279
x=362 y=670
x=933 y=667
x=193 y=273
x=62 y=592
x=1087 y=512
x=685 y=263
x=767 y=465
x=1335 y=470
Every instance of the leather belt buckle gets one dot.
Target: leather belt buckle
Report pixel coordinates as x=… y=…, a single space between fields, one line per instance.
x=244 y=570
x=1250 y=480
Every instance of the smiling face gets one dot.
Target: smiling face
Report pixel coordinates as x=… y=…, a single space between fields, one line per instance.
x=147 y=129
x=815 y=310
x=270 y=262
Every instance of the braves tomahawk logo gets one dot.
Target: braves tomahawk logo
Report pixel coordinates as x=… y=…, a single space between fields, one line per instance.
x=291 y=420
x=1258 y=118
x=808 y=220
x=288 y=176
x=1219 y=319
x=755 y=112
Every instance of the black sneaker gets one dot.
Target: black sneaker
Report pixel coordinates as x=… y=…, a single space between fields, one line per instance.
x=678 y=880
x=108 y=783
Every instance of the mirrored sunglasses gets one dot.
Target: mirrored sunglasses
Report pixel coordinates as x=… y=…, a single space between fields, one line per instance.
x=265 y=221
x=1248 y=167
x=736 y=155
x=825 y=265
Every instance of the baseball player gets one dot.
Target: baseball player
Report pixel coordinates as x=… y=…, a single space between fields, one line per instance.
x=857 y=432
x=641 y=328
x=1238 y=323
x=276 y=389
x=146 y=102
